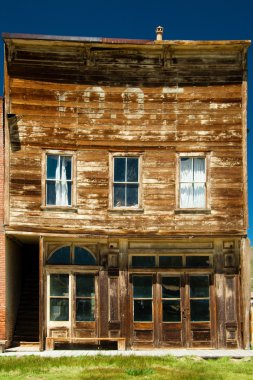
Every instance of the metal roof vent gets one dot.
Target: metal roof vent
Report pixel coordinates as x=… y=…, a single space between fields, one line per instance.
x=159 y=33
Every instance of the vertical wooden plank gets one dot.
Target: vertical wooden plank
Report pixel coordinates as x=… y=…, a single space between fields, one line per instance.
x=245 y=291
x=220 y=310
x=41 y=294
x=103 y=303
x=7 y=105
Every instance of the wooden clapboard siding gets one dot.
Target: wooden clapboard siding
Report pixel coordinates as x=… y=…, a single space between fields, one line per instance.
x=188 y=98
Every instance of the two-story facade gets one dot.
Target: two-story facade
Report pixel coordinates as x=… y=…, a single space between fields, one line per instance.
x=125 y=192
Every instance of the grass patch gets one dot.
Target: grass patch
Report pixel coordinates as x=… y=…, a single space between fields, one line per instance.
x=124 y=368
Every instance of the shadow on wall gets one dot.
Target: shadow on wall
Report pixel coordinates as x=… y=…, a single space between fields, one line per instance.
x=14 y=132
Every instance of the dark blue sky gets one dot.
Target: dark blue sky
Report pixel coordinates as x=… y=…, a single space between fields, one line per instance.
x=182 y=20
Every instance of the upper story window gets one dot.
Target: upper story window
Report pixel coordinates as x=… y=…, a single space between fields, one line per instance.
x=59 y=169
x=192 y=186
x=126 y=182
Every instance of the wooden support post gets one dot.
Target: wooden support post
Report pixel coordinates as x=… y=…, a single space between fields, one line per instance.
x=49 y=344
x=122 y=344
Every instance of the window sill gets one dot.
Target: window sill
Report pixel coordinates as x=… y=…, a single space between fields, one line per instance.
x=126 y=210
x=193 y=211
x=59 y=208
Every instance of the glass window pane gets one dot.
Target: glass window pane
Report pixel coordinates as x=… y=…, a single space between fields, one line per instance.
x=170 y=287
x=199 y=286
x=132 y=169
x=142 y=286
x=51 y=166
x=51 y=193
x=68 y=167
x=69 y=184
x=83 y=257
x=132 y=195
x=171 y=311
x=142 y=310
x=85 y=285
x=199 y=170
x=199 y=195
x=197 y=261
x=61 y=256
x=170 y=261
x=119 y=195
x=119 y=169
x=59 y=285
x=200 y=311
x=186 y=172
x=85 y=310
x=143 y=261
x=186 y=195
x=59 y=309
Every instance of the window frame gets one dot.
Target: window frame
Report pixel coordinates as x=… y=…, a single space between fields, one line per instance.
x=44 y=205
x=206 y=157
x=113 y=155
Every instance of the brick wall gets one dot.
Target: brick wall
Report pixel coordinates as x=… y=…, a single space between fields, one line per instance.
x=2 y=236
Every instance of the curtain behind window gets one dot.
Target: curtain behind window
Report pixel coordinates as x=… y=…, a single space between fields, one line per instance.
x=192 y=182
x=61 y=186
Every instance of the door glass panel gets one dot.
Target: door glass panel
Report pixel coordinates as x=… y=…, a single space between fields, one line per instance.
x=197 y=261
x=199 y=286
x=142 y=286
x=170 y=287
x=200 y=310
x=85 y=297
x=199 y=299
x=142 y=298
x=85 y=286
x=142 y=310
x=59 y=309
x=143 y=261
x=171 y=311
x=59 y=285
x=85 y=310
x=170 y=261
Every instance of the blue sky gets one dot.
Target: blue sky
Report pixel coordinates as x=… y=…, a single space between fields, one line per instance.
x=182 y=20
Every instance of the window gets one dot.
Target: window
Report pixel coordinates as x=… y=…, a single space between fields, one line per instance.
x=170 y=261
x=59 y=180
x=192 y=182
x=72 y=255
x=126 y=182
x=59 y=297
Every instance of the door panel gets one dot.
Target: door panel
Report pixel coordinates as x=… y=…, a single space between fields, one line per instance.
x=84 y=305
x=199 y=310
x=142 y=310
x=171 y=300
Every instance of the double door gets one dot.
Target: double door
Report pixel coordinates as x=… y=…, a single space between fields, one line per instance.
x=171 y=310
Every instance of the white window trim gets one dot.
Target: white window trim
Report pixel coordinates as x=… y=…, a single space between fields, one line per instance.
x=207 y=208
x=44 y=205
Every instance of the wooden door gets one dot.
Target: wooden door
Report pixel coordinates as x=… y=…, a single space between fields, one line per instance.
x=172 y=310
x=171 y=316
x=142 y=310
x=84 y=315
x=199 y=310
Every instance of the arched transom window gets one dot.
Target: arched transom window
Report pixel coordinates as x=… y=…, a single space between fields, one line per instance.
x=68 y=256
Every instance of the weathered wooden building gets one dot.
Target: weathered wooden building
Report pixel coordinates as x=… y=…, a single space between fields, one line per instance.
x=125 y=214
